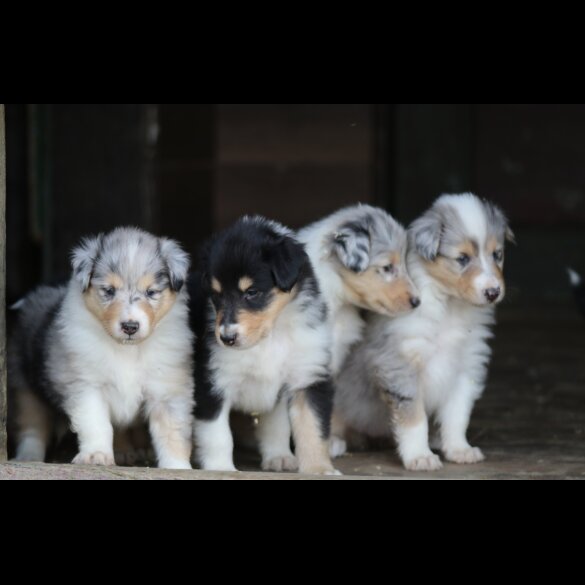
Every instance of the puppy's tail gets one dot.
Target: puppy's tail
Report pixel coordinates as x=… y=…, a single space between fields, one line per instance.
x=575 y=278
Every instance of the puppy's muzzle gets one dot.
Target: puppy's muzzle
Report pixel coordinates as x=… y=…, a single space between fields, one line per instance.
x=415 y=302
x=130 y=327
x=228 y=335
x=229 y=340
x=492 y=294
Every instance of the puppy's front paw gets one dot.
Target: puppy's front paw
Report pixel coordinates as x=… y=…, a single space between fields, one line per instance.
x=429 y=462
x=464 y=456
x=280 y=463
x=337 y=447
x=96 y=458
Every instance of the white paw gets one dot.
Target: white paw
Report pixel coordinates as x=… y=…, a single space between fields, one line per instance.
x=430 y=462
x=337 y=447
x=463 y=456
x=218 y=466
x=280 y=463
x=96 y=458
x=174 y=464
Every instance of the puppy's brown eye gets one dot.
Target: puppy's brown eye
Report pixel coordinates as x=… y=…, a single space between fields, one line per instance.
x=152 y=294
x=388 y=269
x=251 y=294
x=109 y=292
x=498 y=255
x=463 y=260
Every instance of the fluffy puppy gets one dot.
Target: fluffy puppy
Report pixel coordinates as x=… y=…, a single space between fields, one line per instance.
x=263 y=346
x=433 y=362
x=112 y=346
x=359 y=257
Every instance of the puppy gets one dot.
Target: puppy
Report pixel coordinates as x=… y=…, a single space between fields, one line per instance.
x=359 y=257
x=578 y=289
x=112 y=346
x=433 y=362
x=263 y=347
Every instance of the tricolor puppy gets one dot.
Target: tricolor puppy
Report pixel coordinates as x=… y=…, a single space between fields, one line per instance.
x=433 y=363
x=263 y=347
x=359 y=257
x=111 y=347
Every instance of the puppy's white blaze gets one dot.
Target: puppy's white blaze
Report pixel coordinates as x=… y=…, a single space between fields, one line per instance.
x=472 y=214
x=574 y=277
x=225 y=330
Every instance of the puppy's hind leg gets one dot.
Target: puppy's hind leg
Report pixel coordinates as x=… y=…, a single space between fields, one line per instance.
x=34 y=426
x=274 y=438
x=310 y=415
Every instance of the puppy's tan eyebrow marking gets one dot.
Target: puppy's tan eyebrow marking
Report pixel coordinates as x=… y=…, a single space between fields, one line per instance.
x=469 y=247
x=216 y=285
x=245 y=283
x=114 y=280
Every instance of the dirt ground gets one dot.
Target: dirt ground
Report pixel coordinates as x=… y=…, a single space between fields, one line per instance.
x=530 y=422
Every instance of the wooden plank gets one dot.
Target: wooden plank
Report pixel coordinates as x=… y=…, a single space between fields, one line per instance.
x=2 y=288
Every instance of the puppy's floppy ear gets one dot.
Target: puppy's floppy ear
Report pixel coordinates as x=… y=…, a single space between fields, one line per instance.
x=425 y=235
x=286 y=257
x=84 y=258
x=500 y=219
x=177 y=261
x=352 y=246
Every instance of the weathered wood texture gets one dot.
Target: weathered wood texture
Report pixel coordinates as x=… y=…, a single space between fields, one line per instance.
x=2 y=289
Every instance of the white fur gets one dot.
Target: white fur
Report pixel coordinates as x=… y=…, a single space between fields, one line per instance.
x=274 y=433
x=106 y=384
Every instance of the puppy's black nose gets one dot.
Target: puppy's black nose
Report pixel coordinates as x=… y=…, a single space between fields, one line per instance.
x=415 y=302
x=130 y=327
x=492 y=294
x=229 y=340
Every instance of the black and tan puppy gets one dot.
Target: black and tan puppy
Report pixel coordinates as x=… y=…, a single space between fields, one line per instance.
x=263 y=348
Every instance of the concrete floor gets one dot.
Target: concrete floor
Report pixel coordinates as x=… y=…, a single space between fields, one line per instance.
x=530 y=422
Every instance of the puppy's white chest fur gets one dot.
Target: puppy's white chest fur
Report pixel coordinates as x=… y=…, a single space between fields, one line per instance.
x=444 y=343
x=124 y=375
x=293 y=357
x=125 y=381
